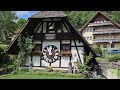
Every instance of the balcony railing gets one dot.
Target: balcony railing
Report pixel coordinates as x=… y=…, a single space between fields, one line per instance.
x=107 y=31
x=100 y=23
x=106 y=40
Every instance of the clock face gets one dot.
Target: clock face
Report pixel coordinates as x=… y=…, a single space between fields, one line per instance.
x=50 y=53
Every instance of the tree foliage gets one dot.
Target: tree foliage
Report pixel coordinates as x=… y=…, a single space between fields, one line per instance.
x=26 y=45
x=79 y=18
x=7 y=24
x=98 y=51
x=20 y=23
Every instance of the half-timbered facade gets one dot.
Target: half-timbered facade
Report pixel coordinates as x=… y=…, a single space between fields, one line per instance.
x=56 y=41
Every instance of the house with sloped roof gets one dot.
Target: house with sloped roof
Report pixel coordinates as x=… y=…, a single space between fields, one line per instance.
x=101 y=31
x=56 y=41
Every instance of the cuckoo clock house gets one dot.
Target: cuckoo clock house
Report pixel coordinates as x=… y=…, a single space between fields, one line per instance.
x=101 y=31
x=56 y=41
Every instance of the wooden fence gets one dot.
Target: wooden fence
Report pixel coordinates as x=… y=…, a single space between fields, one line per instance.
x=112 y=65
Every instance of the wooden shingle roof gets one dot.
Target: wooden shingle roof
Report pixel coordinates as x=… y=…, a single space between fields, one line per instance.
x=47 y=14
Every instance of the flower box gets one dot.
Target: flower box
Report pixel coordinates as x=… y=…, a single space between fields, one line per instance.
x=36 y=53
x=66 y=54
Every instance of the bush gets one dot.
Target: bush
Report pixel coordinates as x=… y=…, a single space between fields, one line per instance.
x=2 y=47
x=81 y=68
x=98 y=51
x=113 y=58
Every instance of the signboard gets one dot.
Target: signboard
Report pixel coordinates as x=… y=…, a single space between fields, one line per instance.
x=50 y=36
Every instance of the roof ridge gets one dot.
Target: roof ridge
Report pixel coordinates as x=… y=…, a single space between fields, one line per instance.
x=46 y=14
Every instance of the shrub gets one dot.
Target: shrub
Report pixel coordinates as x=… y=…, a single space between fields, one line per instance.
x=2 y=47
x=113 y=58
x=81 y=68
x=85 y=67
x=98 y=51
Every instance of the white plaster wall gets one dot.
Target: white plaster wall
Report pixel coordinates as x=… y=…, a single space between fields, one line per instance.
x=74 y=51
x=77 y=43
x=40 y=28
x=55 y=64
x=65 y=61
x=72 y=43
x=81 y=52
x=37 y=27
x=55 y=43
x=28 y=61
x=64 y=28
x=65 y=41
x=36 y=60
x=44 y=63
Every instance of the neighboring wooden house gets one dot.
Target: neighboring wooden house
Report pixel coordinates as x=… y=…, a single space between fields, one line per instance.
x=55 y=38
x=101 y=31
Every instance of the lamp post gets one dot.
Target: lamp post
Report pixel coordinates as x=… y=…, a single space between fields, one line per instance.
x=110 y=41
x=110 y=46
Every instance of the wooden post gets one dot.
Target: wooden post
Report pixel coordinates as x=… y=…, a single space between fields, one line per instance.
x=70 y=67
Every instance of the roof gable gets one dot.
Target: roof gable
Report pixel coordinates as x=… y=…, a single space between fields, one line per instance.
x=94 y=17
x=31 y=24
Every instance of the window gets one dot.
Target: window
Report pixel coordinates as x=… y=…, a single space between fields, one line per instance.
x=98 y=45
x=93 y=29
x=113 y=37
x=50 y=25
x=58 y=25
x=37 y=48
x=104 y=45
x=90 y=37
x=50 y=36
x=65 y=47
x=112 y=45
x=105 y=37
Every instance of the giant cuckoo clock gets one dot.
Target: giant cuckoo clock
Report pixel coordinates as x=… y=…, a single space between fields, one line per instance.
x=50 y=53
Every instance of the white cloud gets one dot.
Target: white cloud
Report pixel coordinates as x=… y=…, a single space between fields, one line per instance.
x=22 y=13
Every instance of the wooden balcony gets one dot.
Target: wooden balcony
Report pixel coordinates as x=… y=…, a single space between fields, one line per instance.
x=36 y=52
x=107 y=31
x=65 y=53
x=106 y=40
x=100 y=23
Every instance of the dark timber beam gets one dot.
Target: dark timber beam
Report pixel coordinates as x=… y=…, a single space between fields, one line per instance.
x=39 y=25
x=65 y=26
x=77 y=49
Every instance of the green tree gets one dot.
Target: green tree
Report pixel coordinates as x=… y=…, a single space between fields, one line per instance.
x=7 y=25
x=79 y=18
x=98 y=51
x=20 y=23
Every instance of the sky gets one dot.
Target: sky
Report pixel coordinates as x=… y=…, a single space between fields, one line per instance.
x=25 y=14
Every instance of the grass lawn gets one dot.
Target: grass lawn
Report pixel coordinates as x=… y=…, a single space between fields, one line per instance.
x=40 y=75
x=118 y=73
